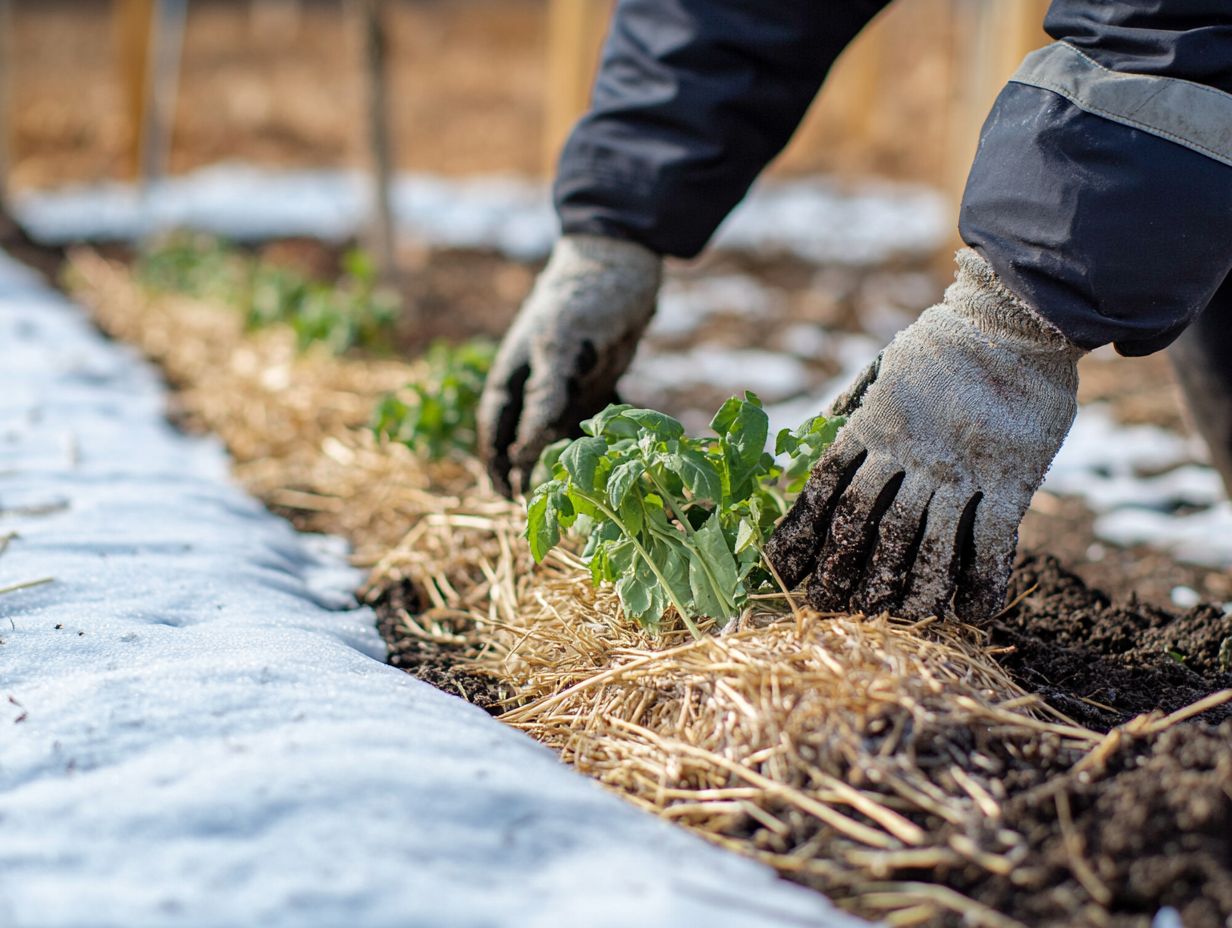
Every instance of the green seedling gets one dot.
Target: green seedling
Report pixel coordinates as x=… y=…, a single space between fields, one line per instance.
x=436 y=416
x=353 y=312
x=674 y=522
x=194 y=264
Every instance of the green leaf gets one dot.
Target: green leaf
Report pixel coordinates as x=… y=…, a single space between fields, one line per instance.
x=359 y=265
x=742 y=427
x=636 y=592
x=699 y=474
x=624 y=477
x=747 y=534
x=581 y=459
x=805 y=447
x=542 y=525
x=633 y=513
x=610 y=421
x=658 y=424
x=714 y=577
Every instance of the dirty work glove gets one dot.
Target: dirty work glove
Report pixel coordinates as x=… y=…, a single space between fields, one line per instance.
x=569 y=344
x=951 y=431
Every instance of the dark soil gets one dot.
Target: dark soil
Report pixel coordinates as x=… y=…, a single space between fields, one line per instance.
x=1102 y=662
x=1149 y=827
x=1153 y=827
x=441 y=664
x=46 y=259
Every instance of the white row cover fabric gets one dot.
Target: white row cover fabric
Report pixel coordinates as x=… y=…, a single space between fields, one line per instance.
x=197 y=728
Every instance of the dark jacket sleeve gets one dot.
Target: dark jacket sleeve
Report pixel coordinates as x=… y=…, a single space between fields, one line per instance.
x=1102 y=190
x=692 y=100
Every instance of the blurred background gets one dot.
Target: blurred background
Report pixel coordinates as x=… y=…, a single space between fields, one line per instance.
x=427 y=131
x=474 y=86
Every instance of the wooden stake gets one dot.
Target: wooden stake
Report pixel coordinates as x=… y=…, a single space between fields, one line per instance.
x=275 y=20
x=134 y=26
x=7 y=46
x=854 y=86
x=575 y=39
x=162 y=90
x=375 y=47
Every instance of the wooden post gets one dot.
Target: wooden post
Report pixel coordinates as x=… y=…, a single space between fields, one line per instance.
x=375 y=47
x=134 y=24
x=167 y=43
x=7 y=45
x=575 y=38
x=854 y=86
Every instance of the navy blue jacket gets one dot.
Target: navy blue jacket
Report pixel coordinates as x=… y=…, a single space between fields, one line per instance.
x=1101 y=193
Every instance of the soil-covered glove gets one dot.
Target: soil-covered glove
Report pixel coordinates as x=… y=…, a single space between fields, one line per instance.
x=951 y=431
x=559 y=363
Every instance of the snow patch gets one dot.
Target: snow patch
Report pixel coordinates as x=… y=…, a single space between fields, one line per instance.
x=684 y=308
x=813 y=219
x=1147 y=486
x=771 y=375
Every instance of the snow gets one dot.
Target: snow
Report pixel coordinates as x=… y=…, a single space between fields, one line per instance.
x=1146 y=485
x=733 y=370
x=198 y=729
x=812 y=218
x=1185 y=597
x=852 y=352
x=684 y=308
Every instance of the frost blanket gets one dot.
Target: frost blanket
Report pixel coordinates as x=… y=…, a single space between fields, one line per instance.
x=197 y=729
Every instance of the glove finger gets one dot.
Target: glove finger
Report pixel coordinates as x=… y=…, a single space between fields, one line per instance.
x=899 y=536
x=985 y=572
x=796 y=542
x=561 y=392
x=500 y=408
x=853 y=531
x=935 y=571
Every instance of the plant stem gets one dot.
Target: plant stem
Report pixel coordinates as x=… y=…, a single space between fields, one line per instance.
x=728 y=602
x=654 y=568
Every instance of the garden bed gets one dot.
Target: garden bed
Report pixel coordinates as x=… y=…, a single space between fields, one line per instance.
x=1060 y=767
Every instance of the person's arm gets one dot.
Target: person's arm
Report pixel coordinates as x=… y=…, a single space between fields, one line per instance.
x=692 y=100
x=1099 y=208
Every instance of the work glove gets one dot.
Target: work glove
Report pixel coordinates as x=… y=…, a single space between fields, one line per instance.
x=559 y=363
x=951 y=431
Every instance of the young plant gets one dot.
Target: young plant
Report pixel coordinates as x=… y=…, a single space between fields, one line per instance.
x=436 y=416
x=672 y=521
x=192 y=263
x=353 y=312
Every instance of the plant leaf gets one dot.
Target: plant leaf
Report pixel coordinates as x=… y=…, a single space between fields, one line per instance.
x=623 y=478
x=714 y=577
x=580 y=460
x=743 y=427
x=699 y=474
x=658 y=424
x=542 y=525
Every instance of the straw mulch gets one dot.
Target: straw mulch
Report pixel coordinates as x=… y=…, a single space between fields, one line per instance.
x=872 y=758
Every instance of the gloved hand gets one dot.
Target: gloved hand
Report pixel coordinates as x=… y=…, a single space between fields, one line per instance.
x=559 y=363
x=950 y=433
